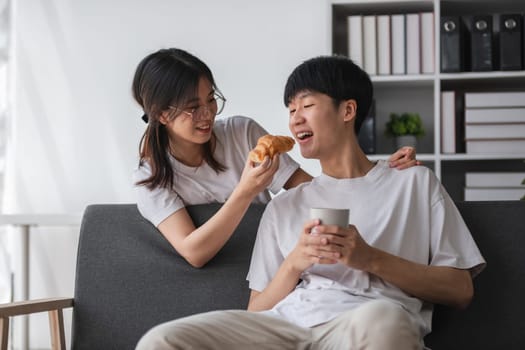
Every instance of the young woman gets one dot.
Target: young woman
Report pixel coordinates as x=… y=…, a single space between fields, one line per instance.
x=187 y=158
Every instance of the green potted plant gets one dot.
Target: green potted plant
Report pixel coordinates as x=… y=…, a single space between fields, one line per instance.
x=405 y=128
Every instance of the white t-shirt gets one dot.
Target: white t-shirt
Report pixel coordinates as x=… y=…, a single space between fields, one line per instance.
x=406 y=213
x=236 y=136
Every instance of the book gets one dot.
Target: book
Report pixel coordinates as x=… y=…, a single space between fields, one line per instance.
x=510 y=41
x=494 y=179
x=448 y=122
x=452 y=44
x=370 y=44
x=427 y=42
x=494 y=131
x=494 y=99
x=383 y=45
x=367 y=132
x=493 y=194
x=398 y=32
x=481 y=46
x=413 y=43
x=495 y=146
x=355 y=39
x=495 y=115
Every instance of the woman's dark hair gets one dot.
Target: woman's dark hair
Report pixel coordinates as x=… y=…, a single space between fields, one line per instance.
x=163 y=78
x=335 y=76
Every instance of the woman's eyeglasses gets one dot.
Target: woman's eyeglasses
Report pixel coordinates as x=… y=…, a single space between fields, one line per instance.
x=214 y=107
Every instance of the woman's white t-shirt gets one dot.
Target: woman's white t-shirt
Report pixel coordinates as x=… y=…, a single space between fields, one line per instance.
x=236 y=136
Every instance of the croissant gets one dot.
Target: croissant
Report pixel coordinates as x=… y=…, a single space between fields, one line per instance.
x=269 y=145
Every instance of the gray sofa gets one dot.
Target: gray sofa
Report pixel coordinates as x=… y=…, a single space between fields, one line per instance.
x=128 y=279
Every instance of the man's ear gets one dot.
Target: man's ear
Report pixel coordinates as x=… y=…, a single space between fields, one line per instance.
x=350 y=110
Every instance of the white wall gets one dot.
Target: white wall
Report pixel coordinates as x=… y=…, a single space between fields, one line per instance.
x=74 y=128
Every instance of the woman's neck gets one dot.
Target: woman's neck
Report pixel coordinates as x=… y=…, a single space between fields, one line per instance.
x=190 y=155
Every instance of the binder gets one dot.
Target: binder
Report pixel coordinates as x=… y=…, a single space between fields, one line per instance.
x=508 y=115
x=510 y=41
x=452 y=43
x=495 y=99
x=494 y=179
x=367 y=133
x=448 y=122
x=413 y=41
x=427 y=42
x=355 y=39
x=370 y=44
x=452 y=122
x=398 y=30
x=460 y=122
x=495 y=146
x=383 y=45
x=480 y=29
x=494 y=194
x=494 y=131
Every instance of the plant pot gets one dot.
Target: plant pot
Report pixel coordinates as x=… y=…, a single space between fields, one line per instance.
x=405 y=140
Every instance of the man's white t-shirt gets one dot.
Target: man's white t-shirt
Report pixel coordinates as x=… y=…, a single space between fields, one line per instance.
x=406 y=213
x=236 y=136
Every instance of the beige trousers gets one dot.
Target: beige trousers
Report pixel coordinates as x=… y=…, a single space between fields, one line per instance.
x=376 y=325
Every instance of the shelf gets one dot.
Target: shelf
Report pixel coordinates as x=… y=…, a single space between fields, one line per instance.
x=367 y=7
x=469 y=7
x=423 y=157
x=404 y=80
x=421 y=93
x=497 y=75
x=455 y=157
x=461 y=157
x=479 y=81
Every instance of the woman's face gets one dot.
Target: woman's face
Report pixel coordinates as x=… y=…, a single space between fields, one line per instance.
x=193 y=122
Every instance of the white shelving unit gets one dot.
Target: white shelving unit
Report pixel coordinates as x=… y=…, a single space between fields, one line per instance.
x=421 y=93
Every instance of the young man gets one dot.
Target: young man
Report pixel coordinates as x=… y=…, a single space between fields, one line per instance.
x=370 y=285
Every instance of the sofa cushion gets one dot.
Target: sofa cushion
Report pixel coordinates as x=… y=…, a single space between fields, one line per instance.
x=494 y=319
x=129 y=278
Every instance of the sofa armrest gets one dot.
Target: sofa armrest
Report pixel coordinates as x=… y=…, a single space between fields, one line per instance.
x=54 y=308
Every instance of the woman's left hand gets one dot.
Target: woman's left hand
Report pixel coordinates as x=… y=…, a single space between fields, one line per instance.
x=404 y=158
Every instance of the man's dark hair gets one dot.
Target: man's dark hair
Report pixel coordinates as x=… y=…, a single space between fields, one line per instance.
x=335 y=76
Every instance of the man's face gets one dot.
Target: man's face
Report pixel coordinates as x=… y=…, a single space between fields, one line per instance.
x=315 y=122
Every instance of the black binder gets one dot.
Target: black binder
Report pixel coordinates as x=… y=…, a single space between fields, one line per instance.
x=459 y=114
x=452 y=44
x=510 y=41
x=481 y=54
x=367 y=133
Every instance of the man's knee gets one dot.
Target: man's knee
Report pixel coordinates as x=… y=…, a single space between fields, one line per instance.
x=192 y=332
x=156 y=339
x=386 y=324
x=382 y=312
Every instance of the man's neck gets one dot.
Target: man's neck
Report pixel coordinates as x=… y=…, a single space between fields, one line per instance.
x=347 y=163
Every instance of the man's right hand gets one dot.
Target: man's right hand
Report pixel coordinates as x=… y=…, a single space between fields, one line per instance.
x=312 y=248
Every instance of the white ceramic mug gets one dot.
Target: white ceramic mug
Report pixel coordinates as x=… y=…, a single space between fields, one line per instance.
x=331 y=216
